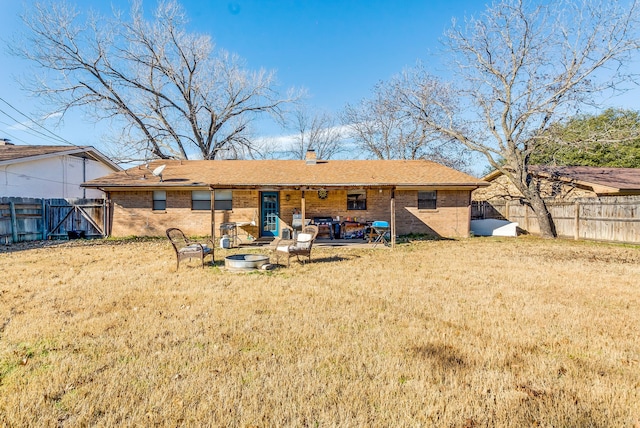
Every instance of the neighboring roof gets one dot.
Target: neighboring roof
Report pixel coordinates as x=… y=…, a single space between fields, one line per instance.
x=10 y=154
x=602 y=181
x=289 y=174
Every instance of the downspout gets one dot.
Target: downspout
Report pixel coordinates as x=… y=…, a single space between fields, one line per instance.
x=64 y=176
x=84 y=176
x=469 y=213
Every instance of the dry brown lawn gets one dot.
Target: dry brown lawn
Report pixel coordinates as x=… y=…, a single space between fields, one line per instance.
x=470 y=333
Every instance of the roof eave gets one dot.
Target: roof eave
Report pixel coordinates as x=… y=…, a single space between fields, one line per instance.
x=72 y=151
x=299 y=186
x=492 y=175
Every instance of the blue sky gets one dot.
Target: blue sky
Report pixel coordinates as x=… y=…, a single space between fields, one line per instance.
x=337 y=50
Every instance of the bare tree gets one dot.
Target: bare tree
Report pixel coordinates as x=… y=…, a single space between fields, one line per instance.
x=382 y=128
x=173 y=94
x=521 y=66
x=318 y=131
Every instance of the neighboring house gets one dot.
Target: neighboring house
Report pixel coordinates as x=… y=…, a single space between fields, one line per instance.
x=262 y=196
x=566 y=183
x=51 y=171
x=584 y=202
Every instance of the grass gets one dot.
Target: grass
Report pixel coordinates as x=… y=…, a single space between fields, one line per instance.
x=470 y=333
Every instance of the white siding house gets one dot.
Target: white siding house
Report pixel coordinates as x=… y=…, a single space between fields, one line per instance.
x=51 y=171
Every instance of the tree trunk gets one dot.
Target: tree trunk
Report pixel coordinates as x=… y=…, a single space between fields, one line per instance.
x=545 y=222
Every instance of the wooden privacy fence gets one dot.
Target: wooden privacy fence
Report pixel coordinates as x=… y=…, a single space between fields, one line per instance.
x=28 y=219
x=615 y=219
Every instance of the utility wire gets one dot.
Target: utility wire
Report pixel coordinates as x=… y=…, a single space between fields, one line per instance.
x=52 y=135
x=42 y=135
x=13 y=137
x=55 y=136
x=26 y=131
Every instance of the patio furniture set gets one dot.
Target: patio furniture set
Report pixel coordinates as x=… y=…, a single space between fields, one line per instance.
x=300 y=246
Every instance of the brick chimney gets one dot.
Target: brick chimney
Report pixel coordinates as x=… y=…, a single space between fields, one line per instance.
x=310 y=157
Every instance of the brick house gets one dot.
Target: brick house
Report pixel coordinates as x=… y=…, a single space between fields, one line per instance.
x=262 y=196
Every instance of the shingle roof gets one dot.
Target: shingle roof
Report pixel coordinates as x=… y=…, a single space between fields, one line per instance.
x=289 y=173
x=10 y=153
x=601 y=180
x=604 y=181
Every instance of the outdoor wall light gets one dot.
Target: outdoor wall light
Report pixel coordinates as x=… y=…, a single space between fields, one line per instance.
x=287 y=197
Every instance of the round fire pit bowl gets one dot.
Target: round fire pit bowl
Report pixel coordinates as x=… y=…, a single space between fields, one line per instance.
x=245 y=262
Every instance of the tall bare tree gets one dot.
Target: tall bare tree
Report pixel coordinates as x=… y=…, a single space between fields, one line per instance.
x=172 y=93
x=382 y=128
x=520 y=66
x=315 y=130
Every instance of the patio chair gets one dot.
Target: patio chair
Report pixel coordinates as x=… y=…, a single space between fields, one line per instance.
x=300 y=246
x=187 y=249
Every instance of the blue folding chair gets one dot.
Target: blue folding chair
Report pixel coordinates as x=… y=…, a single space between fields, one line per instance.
x=379 y=231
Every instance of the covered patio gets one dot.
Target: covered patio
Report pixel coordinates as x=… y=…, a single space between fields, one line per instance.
x=340 y=212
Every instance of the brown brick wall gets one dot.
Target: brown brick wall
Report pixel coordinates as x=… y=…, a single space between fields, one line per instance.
x=245 y=209
x=450 y=218
x=133 y=214
x=378 y=205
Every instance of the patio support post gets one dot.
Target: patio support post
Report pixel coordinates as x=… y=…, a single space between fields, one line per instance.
x=108 y=215
x=213 y=226
x=303 y=209
x=393 y=217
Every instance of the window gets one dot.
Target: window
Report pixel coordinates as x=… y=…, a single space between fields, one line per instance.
x=159 y=200
x=427 y=200
x=223 y=200
x=201 y=200
x=357 y=200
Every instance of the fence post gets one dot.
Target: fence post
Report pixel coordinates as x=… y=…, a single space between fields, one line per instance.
x=44 y=219
x=576 y=228
x=14 y=222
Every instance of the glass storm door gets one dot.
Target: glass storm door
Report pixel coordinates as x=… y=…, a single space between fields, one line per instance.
x=269 y=214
